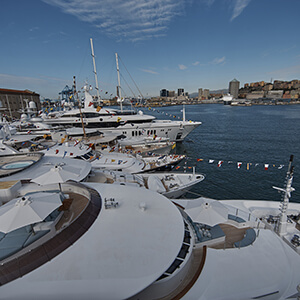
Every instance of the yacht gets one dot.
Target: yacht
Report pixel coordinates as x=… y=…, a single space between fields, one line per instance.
x=41 y=169
x=170 y=184
x=113 y=160
x=103 y=241
x=227 y=99
x=120 y=122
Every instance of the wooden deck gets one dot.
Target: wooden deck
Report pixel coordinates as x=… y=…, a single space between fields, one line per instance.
x=232 y=235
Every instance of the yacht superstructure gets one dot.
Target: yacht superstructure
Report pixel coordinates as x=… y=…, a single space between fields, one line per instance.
x=107 y=241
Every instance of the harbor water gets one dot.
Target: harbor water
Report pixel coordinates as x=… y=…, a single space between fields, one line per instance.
x=258 y=138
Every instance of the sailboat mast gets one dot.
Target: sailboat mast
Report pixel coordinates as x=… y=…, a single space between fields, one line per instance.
x=95 y=71
x=119 y=83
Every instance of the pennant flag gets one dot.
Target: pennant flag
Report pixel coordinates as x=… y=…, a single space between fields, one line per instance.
x=98 y=108
x=230 y=161
x=62 y=140
x=90 y=104
x=239 y=165
x=199 y=159
x=210 y=161
x=56 y=151
x=248 y=166
x=173 y=147
x=280 y=167
x=177 y=167
x=71 y=154
x=220 y=163
x=64 y=154
x=119 y=161
x=119 y=119
x=113 y=160
x=266 y=167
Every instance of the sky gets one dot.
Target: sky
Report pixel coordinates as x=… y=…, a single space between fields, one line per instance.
x=161 y=44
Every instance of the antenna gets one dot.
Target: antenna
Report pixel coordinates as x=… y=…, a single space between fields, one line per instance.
x=281 y=224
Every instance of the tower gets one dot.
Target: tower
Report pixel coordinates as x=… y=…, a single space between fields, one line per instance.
x=234 y=86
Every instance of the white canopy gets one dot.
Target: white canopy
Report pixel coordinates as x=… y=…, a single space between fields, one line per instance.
x=58 y=174
x=27 y=210
x=206 y=211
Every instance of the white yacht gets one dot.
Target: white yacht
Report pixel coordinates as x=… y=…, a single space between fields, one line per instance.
x=45 y=170
x=171 y=185
x=103 y=241
x=113 y=160
x=121 y=122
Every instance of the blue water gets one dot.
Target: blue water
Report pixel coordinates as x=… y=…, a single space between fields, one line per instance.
x=257 y=134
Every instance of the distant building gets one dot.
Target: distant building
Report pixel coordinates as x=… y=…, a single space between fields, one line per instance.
x=275 y=94
x=171 y=93
x=234 y=86
x=164 y=93
x=14 y=101
x=180 y=92
x=255 y=95
x=205 y=93
x=200 y=94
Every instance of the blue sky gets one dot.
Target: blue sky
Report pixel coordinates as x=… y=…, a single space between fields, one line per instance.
x=167 y=44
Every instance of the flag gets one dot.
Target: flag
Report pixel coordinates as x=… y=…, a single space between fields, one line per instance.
x=56 y=151
x=177 y=167
x=65 y=154
x=280 y=167
x=199 y=159
x=173 y=147
x=220 y=163
x=239 y=165
x=62 y=140
x=119 y=119
x=210 y=161
x=113 y=160
x=90 y=104
x=248 y=166
x=266 y=167
x=98 y=108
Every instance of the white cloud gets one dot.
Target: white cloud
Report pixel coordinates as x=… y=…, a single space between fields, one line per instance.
x=149 y=71
x=218 y=61
x=239 y=6
x=182 y=67
x=133 y=20
x=196 y=63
